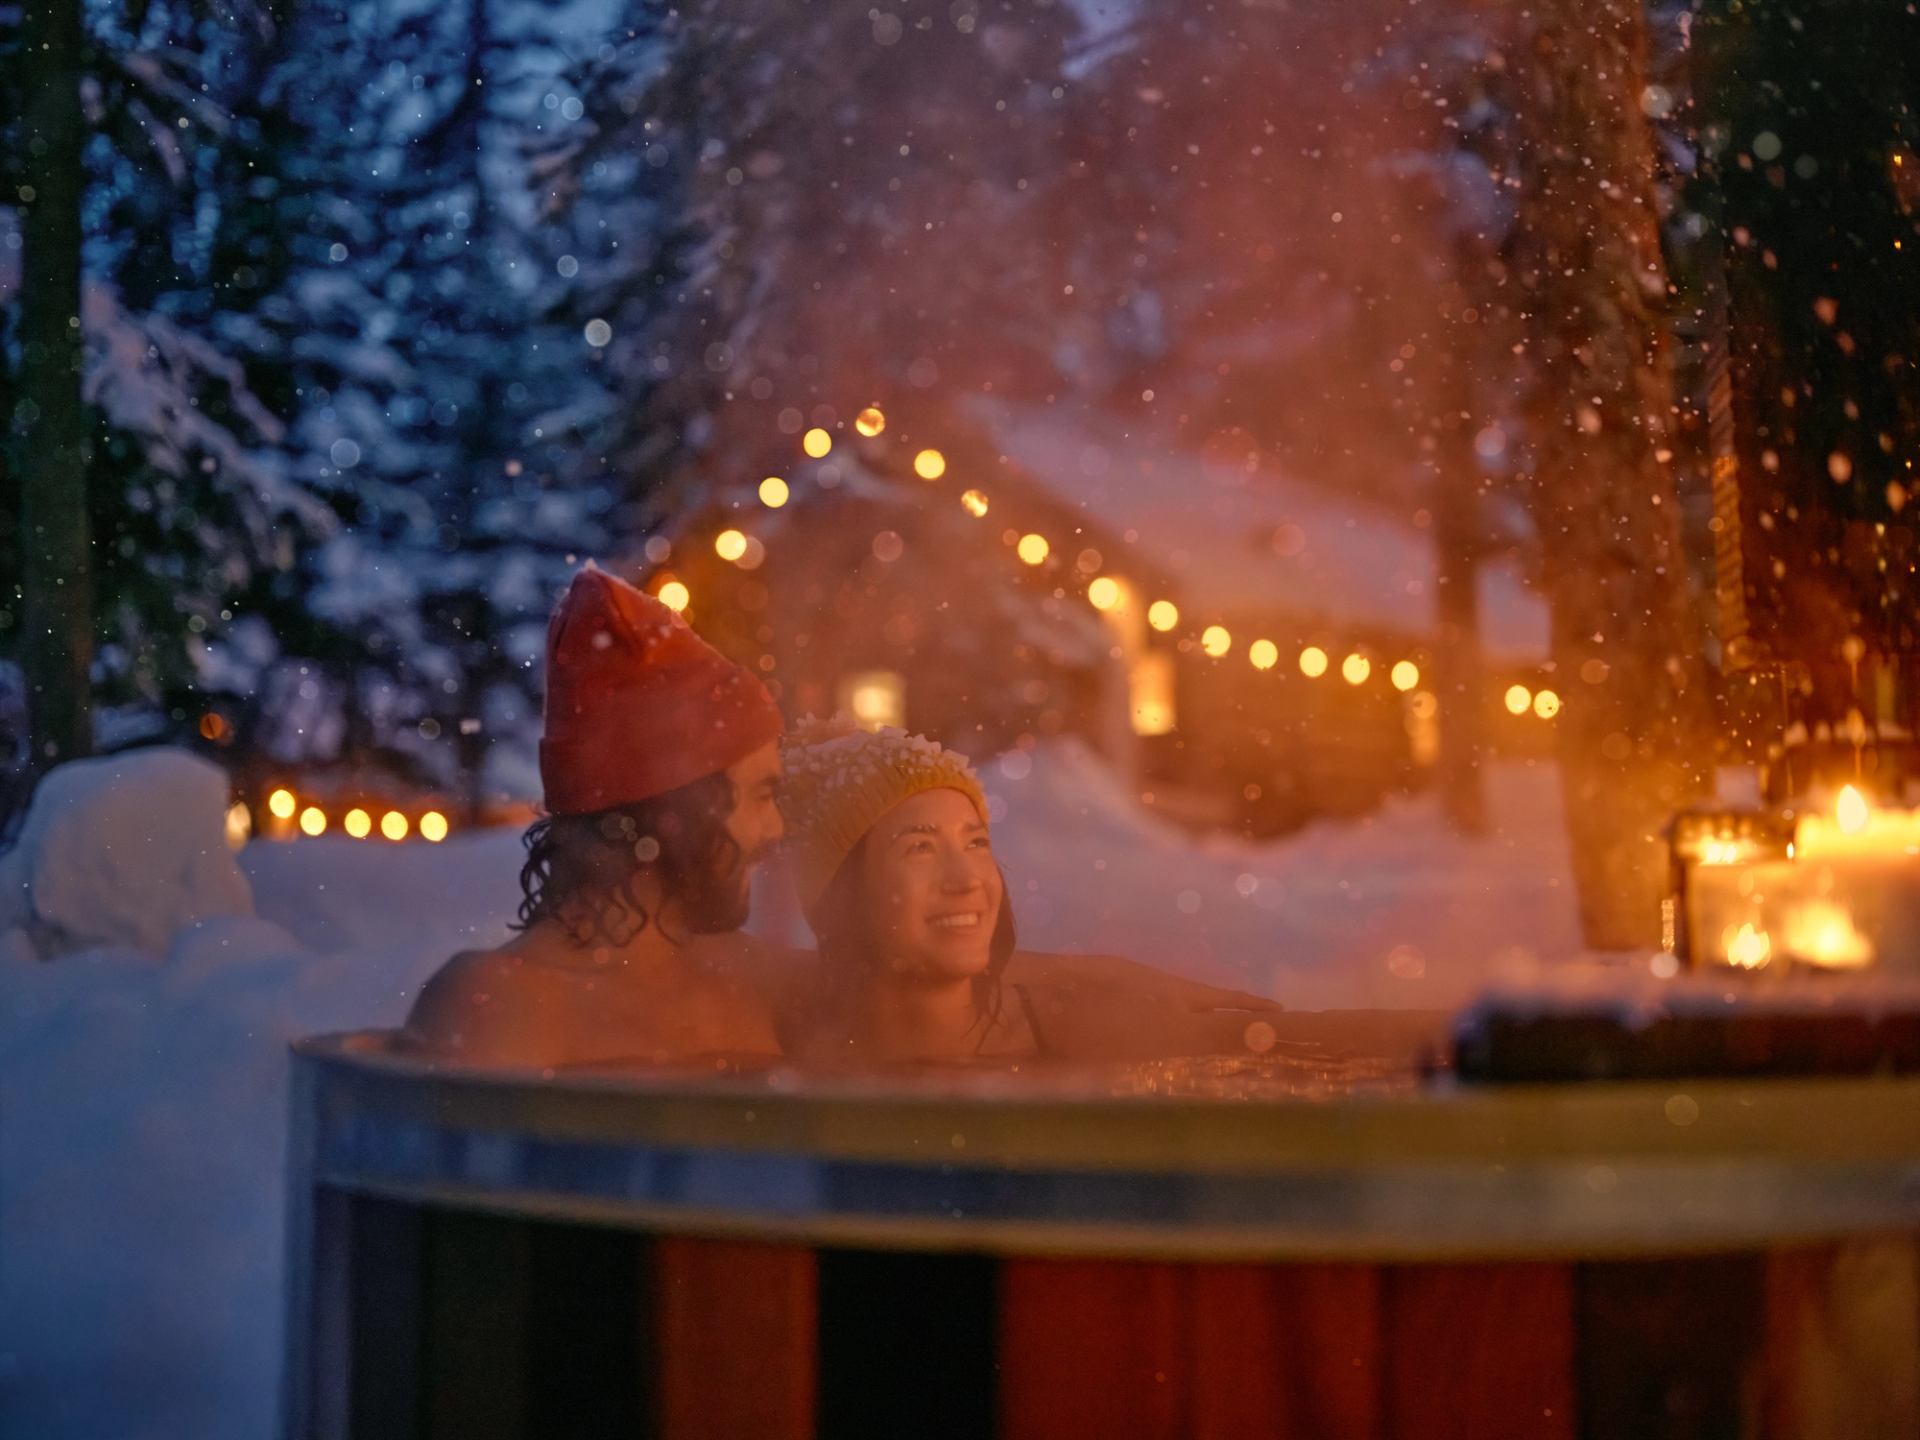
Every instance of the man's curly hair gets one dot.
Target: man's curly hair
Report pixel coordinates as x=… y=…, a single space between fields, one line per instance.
x=581 y=870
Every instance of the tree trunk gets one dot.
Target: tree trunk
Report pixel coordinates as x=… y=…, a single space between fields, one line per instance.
x=56 y=648
x=1632 y=733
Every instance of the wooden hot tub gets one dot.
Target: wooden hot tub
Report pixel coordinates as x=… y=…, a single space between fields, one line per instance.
x=1191 y=1249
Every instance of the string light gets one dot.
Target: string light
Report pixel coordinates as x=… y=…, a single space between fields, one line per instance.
x=870 y=422
x=1546 y=704
x=816 y=442
x=1104 y=593
x=774 y=492
x=282 y=804
x=929 y=464
x=974 y=502
x=1519 y=699
x=1405 y=675
x=393 y=825
x=358 y=823
x=1163 y=615
x=1355 y=669
x=1216 y=641
x=1313 y=662
x=675 y=596
x=313 y=821
x=730 y=544
x=1264 y=654
x=1033 y=548
x=433 y=827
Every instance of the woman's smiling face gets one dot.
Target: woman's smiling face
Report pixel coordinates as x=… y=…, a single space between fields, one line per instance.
x=935 y=890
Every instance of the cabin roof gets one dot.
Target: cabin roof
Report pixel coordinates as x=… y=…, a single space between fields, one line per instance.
x=1235 y=539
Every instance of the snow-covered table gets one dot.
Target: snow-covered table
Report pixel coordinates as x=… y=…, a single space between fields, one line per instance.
x=1307 y=1246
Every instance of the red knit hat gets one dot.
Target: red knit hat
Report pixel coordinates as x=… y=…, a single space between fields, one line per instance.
x=637 y=704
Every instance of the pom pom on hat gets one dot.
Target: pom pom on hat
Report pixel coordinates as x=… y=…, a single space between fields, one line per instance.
x=841 y=779
x=637 y=704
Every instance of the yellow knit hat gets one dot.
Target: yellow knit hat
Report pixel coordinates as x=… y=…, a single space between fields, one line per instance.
x=841 y=779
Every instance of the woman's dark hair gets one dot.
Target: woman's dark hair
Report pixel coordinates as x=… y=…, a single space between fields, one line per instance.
x=842 y=923
x=580 y=869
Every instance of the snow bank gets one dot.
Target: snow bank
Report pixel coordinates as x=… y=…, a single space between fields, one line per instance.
x=142 y=1132
x=1392 y=911
x=122 y=851
x=143 y=1105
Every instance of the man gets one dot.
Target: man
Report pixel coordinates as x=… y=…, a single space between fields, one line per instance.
x=661 y=767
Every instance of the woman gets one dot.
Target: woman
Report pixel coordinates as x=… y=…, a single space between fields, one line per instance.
x=888 y=843
x=892 y=860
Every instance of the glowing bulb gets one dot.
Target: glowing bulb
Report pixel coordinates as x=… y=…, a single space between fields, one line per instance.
x=1033 y=548
x=975 y=503
x=1163 y=615
x=1546 y=704
x=929 y=464
x=870 y=422
x=282 y=804
x=1264 y=654
x=1216 y=641
x=675 y=596
x=393 y=825
x=729 y=544
x=774 y=492
x=1405 y=675
x=1519 y=699
x=1104 y=593
x=816 y=442
x=1313 y=662
x=433 y=826
x=1355 y=669
x=1851 y=811
x=1747 y=948
x=312 y=821
x=358 y=824
x=239 y=825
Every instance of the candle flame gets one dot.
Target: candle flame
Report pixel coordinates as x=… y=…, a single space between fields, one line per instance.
x=1748 y=948
x=1851 y=811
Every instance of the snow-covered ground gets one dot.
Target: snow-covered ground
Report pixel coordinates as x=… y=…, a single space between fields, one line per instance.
x=142 y=1098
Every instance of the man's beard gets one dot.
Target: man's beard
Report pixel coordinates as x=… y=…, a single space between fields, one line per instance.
x=713 y=904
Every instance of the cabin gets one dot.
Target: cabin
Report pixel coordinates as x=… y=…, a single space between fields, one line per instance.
x=1248 y=650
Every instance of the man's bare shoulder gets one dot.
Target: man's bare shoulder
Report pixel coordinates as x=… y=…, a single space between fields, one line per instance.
x=484 y=1006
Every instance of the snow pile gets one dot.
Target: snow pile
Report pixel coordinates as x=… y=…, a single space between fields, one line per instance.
x=1395 y=910
x=143 y=1132
x=143 y=1106
x=127 y=851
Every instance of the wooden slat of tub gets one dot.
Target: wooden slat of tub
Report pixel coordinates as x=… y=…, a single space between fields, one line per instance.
x=1091 y=1347
x=1670 y=1349
x=1843 y=1342
x=478 y=1271
x=1290 y=1352
x=386 y=1283
x=1478 y=1352
x=735 y=1339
